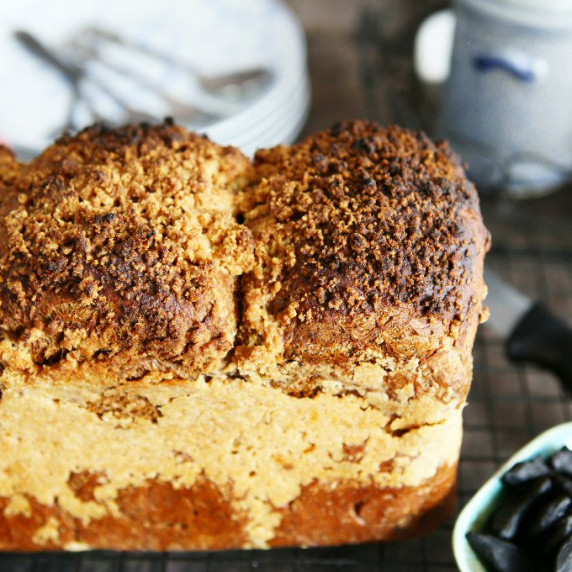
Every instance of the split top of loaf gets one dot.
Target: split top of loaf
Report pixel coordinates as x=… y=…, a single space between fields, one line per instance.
x=150 y=254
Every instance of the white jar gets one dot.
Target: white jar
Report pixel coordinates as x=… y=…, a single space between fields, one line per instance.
x=508 y=102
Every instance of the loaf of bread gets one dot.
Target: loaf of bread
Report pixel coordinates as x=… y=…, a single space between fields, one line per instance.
x=203 y=352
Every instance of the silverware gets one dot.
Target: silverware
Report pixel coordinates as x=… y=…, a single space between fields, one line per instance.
x=219 y=95
x=237 y=85
x=185 y=112
x=71 y=73
x=76 y=76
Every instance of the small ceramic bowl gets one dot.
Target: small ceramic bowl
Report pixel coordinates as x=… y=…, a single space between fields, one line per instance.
x=480 y=507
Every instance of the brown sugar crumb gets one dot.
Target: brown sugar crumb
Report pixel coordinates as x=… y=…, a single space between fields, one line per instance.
x=9 y=167
x=126 y=406
x=354 y=453
x=121 y=245
x=352 y=225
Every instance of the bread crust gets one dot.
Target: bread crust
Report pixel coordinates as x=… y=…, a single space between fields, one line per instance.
x=225 y=354
x=369 y=249
x=119 y=247
x=9 y=166
x=158 y=516
x=351 y=514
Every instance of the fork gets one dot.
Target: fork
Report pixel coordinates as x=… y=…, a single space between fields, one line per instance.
x=75 y=75
x=183 y=111
x=237 y=85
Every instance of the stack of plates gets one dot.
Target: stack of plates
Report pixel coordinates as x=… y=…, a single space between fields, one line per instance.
x=140 y=59
x=279 y=114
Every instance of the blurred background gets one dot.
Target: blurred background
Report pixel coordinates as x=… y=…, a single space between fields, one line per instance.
x=261 y=72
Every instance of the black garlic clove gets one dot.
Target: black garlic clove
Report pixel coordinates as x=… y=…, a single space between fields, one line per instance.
x=512 y=511
x=563 y=483
x=526 y=471
x=548 y=543
x=499 y=555
x=564 y=558
x=547 y=514
x=561 y=461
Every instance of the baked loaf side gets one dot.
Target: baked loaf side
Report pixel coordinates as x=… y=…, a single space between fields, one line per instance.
x=221 y=354
x=218 y=464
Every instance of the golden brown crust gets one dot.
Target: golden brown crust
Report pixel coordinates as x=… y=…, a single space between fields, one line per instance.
x=9 y=168
x=369 y=240
x=119 y=246
x=348 y=514
x=373 y=217
x=158 y=516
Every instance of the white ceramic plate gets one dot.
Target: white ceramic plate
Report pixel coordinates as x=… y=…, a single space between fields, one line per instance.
x=281 y=127
x=212 y=36
x=266 y=110
x=479 y=508
x=286 y=132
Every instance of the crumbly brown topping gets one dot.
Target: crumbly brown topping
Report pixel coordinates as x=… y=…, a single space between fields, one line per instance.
x=356 y=220
x=9 y=167
x=121 y=249
x=120 y=246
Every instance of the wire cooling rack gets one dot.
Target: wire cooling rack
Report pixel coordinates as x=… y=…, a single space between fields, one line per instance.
x=508 y=405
